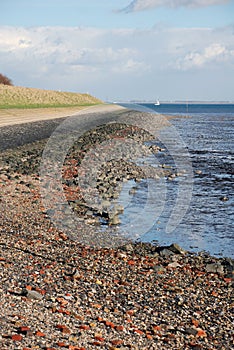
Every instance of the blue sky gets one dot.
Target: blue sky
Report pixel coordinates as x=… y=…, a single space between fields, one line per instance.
x=121 y=50
x=108 y=14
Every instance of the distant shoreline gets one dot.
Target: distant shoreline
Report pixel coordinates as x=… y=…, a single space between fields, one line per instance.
x=180 y=102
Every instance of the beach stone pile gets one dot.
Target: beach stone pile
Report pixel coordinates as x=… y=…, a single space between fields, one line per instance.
x=112 y=173
x=57 y=293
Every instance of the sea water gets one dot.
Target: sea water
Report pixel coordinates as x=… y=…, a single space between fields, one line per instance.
x=207 y=133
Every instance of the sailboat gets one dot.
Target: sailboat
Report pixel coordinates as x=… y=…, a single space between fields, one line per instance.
x=157 y=103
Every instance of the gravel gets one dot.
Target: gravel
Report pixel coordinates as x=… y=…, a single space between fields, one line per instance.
x=57 y=293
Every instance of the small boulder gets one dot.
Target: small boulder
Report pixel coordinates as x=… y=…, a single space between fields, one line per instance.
x=175 y=248
x=33 y=294
x=215 y=268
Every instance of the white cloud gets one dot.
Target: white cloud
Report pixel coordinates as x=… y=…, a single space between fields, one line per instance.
x=214 y=53
x=10 y=39
x=73 y=46
x=140 y=5
x=118 y=62
x=133 y=66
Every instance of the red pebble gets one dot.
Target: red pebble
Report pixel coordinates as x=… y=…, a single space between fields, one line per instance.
x=60 y=326
x=16 y=337
x=131 y=262
x=99 y=338
x=116 y=342
x=23 y=329
x=110 y=324
x=138 y=331
x=40 y=334
x=130 y=312
x=84 y=327
x=65 y=330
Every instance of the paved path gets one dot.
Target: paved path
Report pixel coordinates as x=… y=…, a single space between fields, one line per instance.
x=18 y=129
x=20 y=116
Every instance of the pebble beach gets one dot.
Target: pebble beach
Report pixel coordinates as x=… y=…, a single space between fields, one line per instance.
x=57 y=293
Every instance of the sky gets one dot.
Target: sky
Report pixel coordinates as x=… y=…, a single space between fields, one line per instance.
x=121 y=50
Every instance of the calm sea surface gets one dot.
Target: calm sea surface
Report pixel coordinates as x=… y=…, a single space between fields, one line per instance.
x=208 y=135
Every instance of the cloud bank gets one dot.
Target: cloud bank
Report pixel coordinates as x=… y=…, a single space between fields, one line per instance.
x=126 y=63
x=140 y=5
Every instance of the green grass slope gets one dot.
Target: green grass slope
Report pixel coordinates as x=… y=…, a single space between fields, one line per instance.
x=23 y=97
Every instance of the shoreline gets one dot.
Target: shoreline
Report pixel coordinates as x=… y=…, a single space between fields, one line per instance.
x=57 y=293
x=36 y=133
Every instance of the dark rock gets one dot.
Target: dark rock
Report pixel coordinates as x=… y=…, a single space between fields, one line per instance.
x=128 y=247
x=191 y=331
x=159 y=268
x=215 y=268
x=32 y=294
x=166 y=253
x=175 y=248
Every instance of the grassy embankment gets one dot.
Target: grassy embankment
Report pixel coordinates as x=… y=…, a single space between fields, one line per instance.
x=14 y=97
